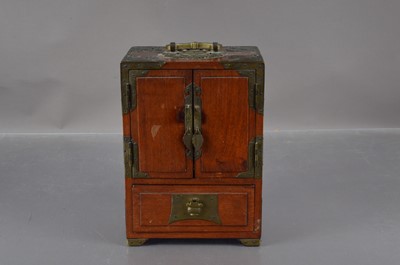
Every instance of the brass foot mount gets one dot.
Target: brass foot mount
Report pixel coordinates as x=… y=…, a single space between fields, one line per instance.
x=250 y=242
x=136 y=242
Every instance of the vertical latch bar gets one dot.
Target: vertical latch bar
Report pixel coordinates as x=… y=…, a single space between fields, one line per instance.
x=187 y=137
x=197 y=138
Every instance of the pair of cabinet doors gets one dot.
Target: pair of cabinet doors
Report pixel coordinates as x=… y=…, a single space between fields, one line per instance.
x=193 y=124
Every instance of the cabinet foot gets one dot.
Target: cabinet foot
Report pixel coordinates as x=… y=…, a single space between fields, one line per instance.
x=250 y=242
x=135 y=242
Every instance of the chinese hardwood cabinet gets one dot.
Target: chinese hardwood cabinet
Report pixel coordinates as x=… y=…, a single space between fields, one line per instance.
x=193 y=141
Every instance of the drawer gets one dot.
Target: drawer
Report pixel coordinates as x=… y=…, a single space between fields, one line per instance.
x=182 y=208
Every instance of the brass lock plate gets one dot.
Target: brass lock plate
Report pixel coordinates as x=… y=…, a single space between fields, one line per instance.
x=194 y=207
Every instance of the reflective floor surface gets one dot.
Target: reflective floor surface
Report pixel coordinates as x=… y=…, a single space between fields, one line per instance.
x=330 y=197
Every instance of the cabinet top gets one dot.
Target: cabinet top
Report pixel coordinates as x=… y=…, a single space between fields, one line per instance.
x=150 y=56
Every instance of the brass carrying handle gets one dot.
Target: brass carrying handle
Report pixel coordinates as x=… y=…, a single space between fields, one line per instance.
x=210 y=46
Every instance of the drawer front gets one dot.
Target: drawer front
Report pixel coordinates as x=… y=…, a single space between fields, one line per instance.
x=180 y=208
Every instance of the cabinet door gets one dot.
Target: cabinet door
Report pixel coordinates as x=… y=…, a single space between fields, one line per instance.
x=227 y=123
x=158 y=123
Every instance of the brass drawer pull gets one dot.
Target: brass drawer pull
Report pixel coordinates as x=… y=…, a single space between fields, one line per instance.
x=194 y=207
x=210 y=46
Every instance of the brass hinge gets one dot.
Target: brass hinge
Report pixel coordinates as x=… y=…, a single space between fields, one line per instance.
x=126 y=98
x=258 y=157
x=129 y=90
x=131 y=159
x=255 y=159
x=259 y=98
x=128 y=156
x=256 y=91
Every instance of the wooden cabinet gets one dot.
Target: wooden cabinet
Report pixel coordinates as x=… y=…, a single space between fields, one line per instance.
x=193 y=137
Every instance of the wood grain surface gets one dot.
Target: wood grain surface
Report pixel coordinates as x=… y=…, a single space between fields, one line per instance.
x=228 y=123
x=160 y=125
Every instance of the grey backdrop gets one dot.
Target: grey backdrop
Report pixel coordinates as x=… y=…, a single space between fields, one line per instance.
x=330 y=63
